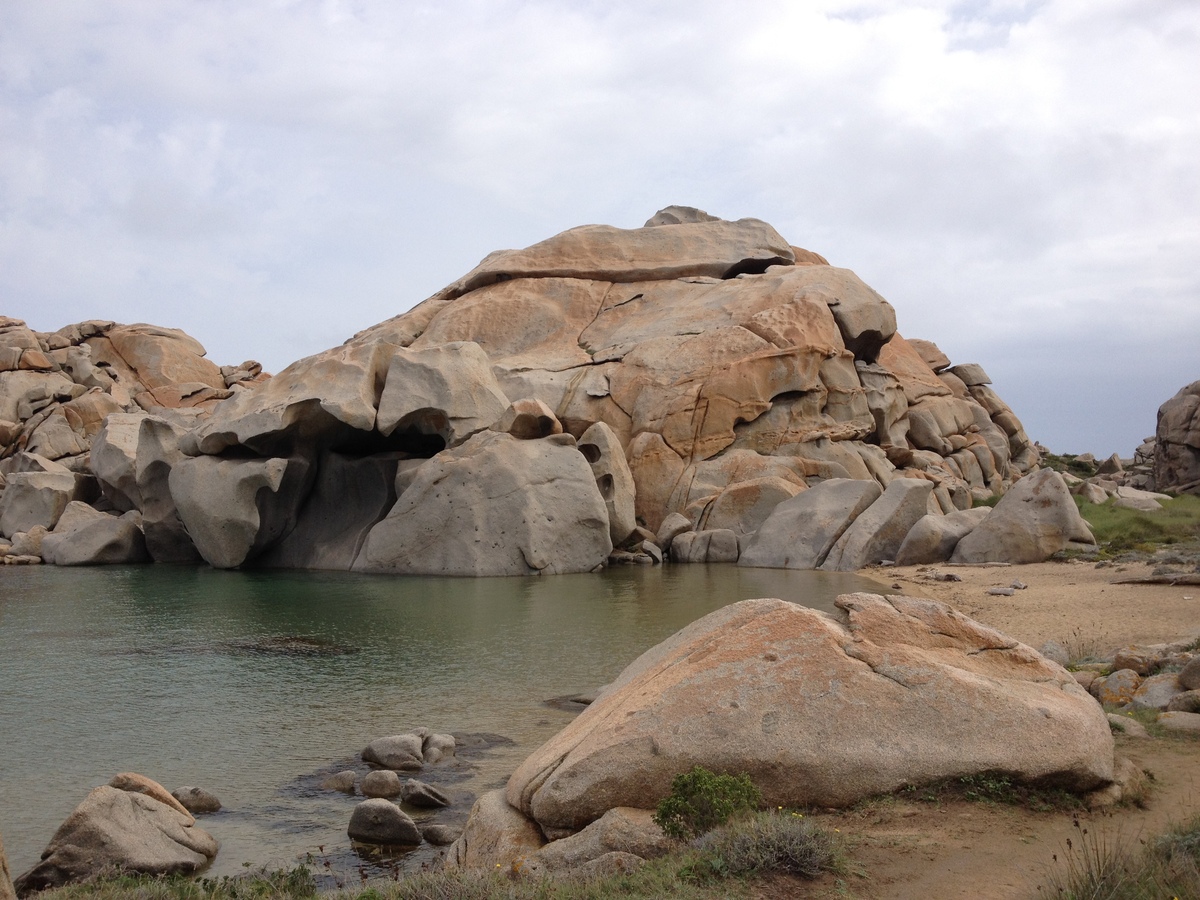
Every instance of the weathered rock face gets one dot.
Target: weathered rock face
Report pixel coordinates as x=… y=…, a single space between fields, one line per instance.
x=121 y=830
x=495 y=506
x=800 y=533
x=57 y=388
x=819 y=710
x=1177 y=444
x=726 y=370
x=1036 y=518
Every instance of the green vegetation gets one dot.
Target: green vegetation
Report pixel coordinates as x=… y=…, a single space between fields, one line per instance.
x=721 y=865
x=1069 y=462
x=701 y=800
x=1117 y=529
x=995 y=787
x=1095 y=868
x=779 y=841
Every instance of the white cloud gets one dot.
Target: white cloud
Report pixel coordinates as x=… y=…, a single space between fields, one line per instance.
x=273 y=176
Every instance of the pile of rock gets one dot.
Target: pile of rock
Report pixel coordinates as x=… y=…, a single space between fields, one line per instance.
x=554 y=403
x=818 y=710
x=378 y=820
x=59 y=392
x=132 y=824
x=1163 y=677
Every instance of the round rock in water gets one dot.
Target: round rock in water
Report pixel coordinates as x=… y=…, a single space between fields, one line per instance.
x=400 y=751
x=437 y=747
x=418 y=793
x=196 y=800
x=440 y=835
x=341 y=781
x=381 y=783
x=379 y=821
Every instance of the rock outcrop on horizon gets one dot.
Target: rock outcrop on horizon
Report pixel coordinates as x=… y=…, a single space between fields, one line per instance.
x=1177 y=443
x=699 y=367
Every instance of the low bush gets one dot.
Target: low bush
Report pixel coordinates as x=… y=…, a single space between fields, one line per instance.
x=701 y=800
x=781 y=841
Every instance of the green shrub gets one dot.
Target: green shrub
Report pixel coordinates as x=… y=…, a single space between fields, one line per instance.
x=701 y=800
x=782 y=841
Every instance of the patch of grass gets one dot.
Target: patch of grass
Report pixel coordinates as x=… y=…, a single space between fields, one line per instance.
x=995 y=787
x=1117 y=529
x=285 y=884
x=1069 y=462
x=701 y=800
x=1085 y=649
x=1121 y=868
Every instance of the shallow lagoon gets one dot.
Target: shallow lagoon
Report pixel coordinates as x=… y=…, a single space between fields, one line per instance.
x=252 y=685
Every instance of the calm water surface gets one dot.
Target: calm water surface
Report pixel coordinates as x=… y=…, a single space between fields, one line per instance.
x=255 y=685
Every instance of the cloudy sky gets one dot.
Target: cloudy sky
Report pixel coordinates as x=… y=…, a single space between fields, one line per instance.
x=1020 y=179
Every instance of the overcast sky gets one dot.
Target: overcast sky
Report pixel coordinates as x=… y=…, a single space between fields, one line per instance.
x=1020 y=179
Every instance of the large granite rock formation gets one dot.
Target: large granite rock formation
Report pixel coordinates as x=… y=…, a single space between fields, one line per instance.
x=1177 y=443
x=731 y=370
x=92 y=384
x=820 y=711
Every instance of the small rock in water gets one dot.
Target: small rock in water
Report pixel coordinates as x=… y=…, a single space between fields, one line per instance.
x=437 y=747
x=342 y=781
x=379 y=821
x=440 y=835
x=402 y=752
x=418 y=793
x=196 y=800
x=381 y=783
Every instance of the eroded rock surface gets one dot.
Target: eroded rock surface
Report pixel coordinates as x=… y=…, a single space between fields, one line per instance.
x=1177 y=442
x=121 y=830
x=715 y=371
x=819 y=710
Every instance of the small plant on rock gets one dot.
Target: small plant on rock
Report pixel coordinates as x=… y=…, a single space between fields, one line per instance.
x=701 y=800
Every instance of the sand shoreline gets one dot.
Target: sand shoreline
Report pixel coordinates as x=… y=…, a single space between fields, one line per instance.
x=1073 y=602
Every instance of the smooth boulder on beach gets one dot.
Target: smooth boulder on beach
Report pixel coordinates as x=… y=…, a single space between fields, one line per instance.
x=820 y=710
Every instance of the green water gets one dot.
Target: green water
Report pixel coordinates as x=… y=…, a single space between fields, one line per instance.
x=200 y=677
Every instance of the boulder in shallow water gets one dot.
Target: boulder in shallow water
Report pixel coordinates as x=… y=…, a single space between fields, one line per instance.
x=114 y=829
x=340 y=781
x=418 y=793
x=494 y=506
x=402 y=752
x=381 y=783
x=436 y=747
x=878 y=532
x=197 y=800
x=800 y=532
x=379 y=821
